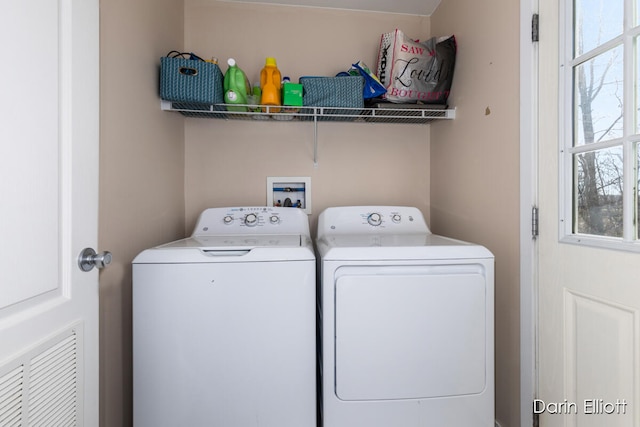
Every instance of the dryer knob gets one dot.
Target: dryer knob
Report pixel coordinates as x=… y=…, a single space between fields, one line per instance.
x=274 y=219
x=374 y=219
x=396 y=218
x=251 y=220
x=228 y=219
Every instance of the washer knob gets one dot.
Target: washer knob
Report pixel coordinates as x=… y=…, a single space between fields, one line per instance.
x=396 y=218
x=251 y=220
x=374 y=219
x=227 y=219
x=274 y=219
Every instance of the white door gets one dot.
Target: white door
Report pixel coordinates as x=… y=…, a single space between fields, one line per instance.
x=48 y=212
x=589 y=296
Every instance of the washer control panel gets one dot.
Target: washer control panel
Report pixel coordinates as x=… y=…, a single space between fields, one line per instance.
x=371 y=219
x=252 y=220
x=374 y=219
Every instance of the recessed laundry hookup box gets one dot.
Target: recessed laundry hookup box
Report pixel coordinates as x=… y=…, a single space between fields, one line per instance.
x=294 y=192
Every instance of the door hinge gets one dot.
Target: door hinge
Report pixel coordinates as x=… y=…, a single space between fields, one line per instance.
x=535 y=27
x=534 y=222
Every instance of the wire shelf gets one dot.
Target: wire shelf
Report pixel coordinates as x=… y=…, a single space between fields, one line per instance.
x=387 y=114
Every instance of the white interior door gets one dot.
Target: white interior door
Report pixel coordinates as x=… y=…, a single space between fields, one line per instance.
x=589 y=298
x=48 y=213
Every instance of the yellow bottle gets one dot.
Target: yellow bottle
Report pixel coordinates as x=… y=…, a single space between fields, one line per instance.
x=270 y=82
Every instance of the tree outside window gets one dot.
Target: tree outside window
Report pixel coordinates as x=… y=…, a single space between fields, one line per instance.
x=600 y=87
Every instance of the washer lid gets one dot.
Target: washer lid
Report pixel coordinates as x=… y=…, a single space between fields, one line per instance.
x=230 y=248
x=241 y=234
x=238 y=241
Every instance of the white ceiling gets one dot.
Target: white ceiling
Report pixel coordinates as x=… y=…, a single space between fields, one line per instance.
x=411 y=7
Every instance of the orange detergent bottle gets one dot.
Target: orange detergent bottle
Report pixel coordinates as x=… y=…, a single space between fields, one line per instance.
x=270 y=82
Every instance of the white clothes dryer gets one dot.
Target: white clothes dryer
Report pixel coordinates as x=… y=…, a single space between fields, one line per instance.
x=224 y=330
x=406 y=320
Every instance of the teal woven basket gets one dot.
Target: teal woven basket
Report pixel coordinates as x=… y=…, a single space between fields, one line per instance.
x=190 y=81
x=335 y=93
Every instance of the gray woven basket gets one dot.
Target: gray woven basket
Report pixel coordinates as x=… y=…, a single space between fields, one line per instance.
x=333 y=92
x=190 y=81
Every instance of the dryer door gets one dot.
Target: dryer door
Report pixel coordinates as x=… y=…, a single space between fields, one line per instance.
x=407 y=332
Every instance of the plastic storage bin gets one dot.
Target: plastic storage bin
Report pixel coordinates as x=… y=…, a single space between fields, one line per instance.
x=190 y=84
x=335 y=93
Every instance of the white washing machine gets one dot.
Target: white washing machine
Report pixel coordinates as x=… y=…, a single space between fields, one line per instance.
x=406 y=321
x=224 y=330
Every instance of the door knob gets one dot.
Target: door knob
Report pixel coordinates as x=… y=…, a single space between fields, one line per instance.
x=88 y=259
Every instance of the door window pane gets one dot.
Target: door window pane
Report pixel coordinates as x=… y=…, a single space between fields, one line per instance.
x=598 y=192
x=598 y=91
x=596 y=22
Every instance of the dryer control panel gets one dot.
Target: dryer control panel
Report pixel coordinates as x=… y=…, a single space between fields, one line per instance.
x=251 y=220
x=372 y=220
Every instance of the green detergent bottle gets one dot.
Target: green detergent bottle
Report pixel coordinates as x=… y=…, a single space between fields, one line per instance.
x=236 y=86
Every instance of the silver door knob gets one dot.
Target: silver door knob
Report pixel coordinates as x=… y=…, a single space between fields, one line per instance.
x=88 y=259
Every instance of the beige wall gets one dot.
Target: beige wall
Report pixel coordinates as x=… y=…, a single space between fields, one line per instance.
x=141 y=174
x=474 y=164
x=227 y=162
